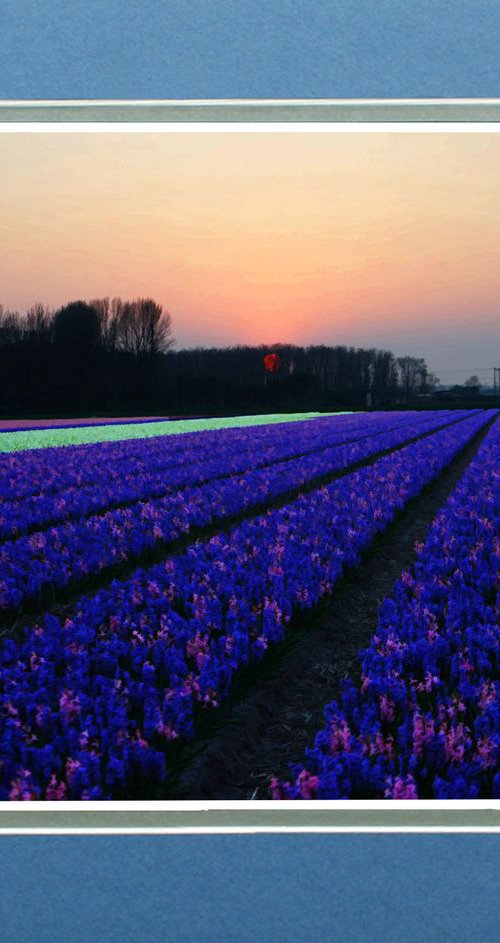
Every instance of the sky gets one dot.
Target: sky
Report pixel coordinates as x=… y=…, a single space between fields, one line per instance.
x=385 y=239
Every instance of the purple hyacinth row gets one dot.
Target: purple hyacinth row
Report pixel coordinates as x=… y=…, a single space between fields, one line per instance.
x=53 y=470
x=89 y=705
x=424 y=721
x=195 y=465
x=58 y=556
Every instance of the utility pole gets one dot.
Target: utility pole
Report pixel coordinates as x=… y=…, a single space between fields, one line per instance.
x=496 y=380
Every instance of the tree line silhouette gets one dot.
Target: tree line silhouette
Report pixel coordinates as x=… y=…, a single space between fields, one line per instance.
x=85 y=357
x=110 y=356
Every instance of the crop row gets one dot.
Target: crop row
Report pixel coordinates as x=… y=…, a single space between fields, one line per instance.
x=33 y=425
x=159 y=470
x=424 y=720
x=90 y=704
x=51 y=471
x=75 y=550
x=45 y=439
x=193 y=467
x=41 y=439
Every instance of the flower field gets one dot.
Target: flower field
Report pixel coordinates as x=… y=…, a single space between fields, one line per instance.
x=172 y=502
x=53 y=434
x=138 y=577
x=424 y=719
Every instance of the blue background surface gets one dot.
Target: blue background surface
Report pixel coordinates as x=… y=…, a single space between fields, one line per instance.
x=341 y=889
x=244 y=888
x=249 y=48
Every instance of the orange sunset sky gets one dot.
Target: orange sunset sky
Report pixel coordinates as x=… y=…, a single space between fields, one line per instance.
x=371 y=239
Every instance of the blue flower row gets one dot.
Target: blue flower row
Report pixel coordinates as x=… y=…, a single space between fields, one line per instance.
x=54 y=470
x=51 y=470
x=69 y=552
x=89 y=705
x=157 y=470
x=424 y=719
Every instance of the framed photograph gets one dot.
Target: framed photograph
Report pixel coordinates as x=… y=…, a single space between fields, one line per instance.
x=249 y=436
x=249 y=398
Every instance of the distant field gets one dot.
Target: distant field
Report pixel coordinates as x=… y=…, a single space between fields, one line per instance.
x=18 y=425
x=44 y=434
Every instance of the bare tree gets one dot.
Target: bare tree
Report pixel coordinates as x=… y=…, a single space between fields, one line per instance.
x=38 y=323
x=145 y=328
x=11 y=327
x=413 y=374
x=431 y=382
x=110 y=312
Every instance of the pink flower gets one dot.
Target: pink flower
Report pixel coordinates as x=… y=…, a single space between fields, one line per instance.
x=400 y=788
x=380 y=746
x=191 y=686
x=199 y=606
x=69 y=704
x=275 y=570
x=210 y=698
x=277 y=791
x=365 y=683
x=166 y=731
x=21 y=790
x=387 y=708
x=340 y=740
x=10 y=709
x=36 y=661
x=170 y=592
x=196 y=646
x=423 y=731
x=467 y=666
x=55 y=791
x=456 y=741
x=486 y=752
x=428 y=684
x=37 y=541
x=307 y=784
x=488 y=694
x=71 y=768
x=139 y=739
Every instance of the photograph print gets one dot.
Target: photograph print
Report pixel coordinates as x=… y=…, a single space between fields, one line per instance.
x=249 y=464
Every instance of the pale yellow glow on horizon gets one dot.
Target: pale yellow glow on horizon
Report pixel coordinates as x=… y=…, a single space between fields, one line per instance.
x=259 y=238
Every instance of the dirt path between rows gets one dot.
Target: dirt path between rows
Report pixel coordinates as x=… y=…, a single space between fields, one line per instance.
x=277 y=708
